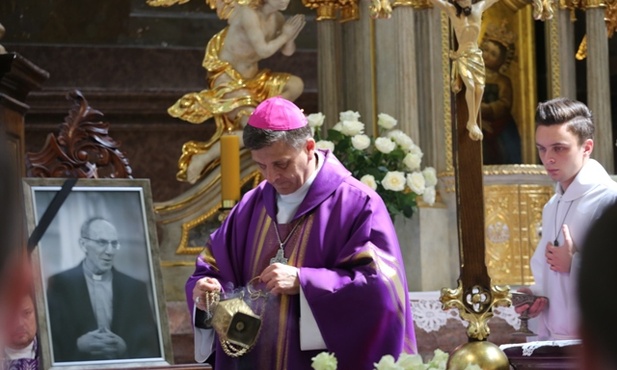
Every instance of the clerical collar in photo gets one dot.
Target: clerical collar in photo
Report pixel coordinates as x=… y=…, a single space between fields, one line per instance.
x=106 y=276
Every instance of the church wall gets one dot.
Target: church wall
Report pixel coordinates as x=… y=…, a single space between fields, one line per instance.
x=133 y=87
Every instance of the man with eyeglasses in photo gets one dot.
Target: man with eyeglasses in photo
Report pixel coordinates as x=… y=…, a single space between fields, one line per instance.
x=95 y=311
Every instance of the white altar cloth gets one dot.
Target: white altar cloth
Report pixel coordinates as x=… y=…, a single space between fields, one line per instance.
x=429 y=316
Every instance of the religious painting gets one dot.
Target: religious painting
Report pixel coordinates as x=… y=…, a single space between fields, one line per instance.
x=100 y=301
x=510 y=95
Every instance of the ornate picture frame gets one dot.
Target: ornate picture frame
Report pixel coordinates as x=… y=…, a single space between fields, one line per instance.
x=521 y=69
x=134 y=283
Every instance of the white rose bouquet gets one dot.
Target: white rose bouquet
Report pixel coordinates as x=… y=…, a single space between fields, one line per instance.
x=327 y=361
x=390 y=163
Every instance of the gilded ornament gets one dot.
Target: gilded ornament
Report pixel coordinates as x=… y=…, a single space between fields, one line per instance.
x=514 y=169
x=326 y=9
x=349 y=10
x=610 y=17
x=475 y=305
x=485 y=355
x=591 y=4
x=415 y=4
x=380 y=9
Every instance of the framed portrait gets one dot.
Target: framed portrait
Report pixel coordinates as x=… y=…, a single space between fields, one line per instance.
x=99 y=291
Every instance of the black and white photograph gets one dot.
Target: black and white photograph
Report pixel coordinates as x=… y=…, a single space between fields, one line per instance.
x=100 y=303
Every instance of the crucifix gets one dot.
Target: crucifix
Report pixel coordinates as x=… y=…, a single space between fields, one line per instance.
x=475 y=297
x=280 y=256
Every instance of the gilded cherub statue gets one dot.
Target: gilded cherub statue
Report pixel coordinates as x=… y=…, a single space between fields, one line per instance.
x=467 y=63
x=256 y=30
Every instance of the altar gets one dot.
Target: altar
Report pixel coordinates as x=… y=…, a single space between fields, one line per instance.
x=445 y=329
x=558 y=354
x=435 y=327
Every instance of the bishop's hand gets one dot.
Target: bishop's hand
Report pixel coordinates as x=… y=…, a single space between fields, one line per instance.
x=281 y=279
x=202 y=287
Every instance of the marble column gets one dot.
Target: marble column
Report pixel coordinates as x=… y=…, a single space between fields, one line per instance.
x=418 y=90
x=430 y=86
x=397 y=79
x=329 y=71
x=359 y=91
x=598 y=84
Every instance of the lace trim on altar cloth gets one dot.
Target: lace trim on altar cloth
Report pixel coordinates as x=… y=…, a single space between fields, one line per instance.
x=530 y=347
x=429 y=316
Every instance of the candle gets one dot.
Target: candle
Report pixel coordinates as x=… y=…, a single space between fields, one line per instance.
x=230 y=170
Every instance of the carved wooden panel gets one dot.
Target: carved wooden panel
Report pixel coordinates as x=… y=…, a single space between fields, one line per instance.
x=18 y=77
x=83 y=147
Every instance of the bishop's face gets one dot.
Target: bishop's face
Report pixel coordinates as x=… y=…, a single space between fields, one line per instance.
x=285 y=167
x=560 y=152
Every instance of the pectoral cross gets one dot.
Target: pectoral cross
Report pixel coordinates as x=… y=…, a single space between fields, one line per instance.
x=280 y=256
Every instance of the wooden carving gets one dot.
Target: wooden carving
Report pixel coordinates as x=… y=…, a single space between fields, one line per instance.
x=83 y=148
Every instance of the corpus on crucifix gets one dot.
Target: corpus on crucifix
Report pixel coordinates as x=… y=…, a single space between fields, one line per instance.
x=467 y=63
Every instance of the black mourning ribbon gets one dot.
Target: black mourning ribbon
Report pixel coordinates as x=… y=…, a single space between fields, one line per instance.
x=50 y=213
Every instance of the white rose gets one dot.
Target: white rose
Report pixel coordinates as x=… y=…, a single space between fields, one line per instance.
x=410 y=362
x=338 y=126
x=401 y=138
x=386 y=121
x=349 y=116
x=315 y=119
x=439 y=361
x=361 y=141
x=384 y=145
x=369 y=180
x=415 y=181
x=324 y=361
x=325 y=144
x=394 y=180
x=351 y=128
x=415 y=150
x=429 y=195
x=387 y=363
x=412 y=161
x=430 y=176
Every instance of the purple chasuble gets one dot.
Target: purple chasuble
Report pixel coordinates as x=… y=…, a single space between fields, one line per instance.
x=350 y=270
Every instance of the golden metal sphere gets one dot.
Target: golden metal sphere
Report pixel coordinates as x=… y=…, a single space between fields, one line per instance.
x=485 y=354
